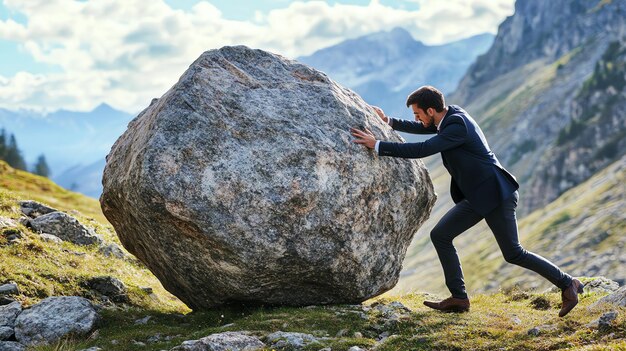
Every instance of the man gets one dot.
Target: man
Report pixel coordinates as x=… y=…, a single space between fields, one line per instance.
x=480 y=188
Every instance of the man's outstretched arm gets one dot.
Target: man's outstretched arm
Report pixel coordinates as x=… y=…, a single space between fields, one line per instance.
x=453 y=135
x=402 y=125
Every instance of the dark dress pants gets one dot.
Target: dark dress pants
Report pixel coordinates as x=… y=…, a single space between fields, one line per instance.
x=503 y=224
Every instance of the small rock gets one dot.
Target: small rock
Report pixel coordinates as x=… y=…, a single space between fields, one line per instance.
x=109 y=286
x=617 y=298
x=11 y=346
x=147 y=289
x=536 y=331
x=606 y=320
x=226 y=341
x=7 y=222
x=54 y=318
x=65 y=227
x=154 y=338
x=357 y=335
x=50 y=238
x=341 y=333
x=25 y=221
x=356 y=348
x=9 y=313
x=111 y=250
x=601 y=285
x=382 y=336
x=325 y=349
x=93 y=348
x=34 y=209
x=9 y=289
x=285 y=340
x=516 y=320
x=227 y=325
x=6 y=333
x=139 y=343
x=143 y=320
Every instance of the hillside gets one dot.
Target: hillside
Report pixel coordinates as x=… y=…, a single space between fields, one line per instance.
x=550 y=97
x=511 y=320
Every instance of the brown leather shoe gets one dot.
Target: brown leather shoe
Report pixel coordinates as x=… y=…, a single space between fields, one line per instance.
x=569 y=296
x=451 y=304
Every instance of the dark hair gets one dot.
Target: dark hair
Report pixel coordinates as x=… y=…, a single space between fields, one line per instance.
x=426 y=97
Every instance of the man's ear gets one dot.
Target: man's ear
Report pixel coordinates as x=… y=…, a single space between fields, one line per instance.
x=430 y=112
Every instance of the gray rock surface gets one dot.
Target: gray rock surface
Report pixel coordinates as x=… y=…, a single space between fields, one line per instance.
x=7 y=222
x=112 y=250
x=9 y=289
x=65 y=227
x=618 y=298
x=54 y=318
x=108 y=286
x=242 y=184
x=226 y=341
x=281 y=340
x=34 y=209
x=11 y=346
x=6 y=333
x=8 y=314
x=50 y=238
x=601 y=285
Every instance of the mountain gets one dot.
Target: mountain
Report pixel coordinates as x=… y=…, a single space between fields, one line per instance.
x=85 y=179
x=550 y=97
x=69 y=140
x=385 y=67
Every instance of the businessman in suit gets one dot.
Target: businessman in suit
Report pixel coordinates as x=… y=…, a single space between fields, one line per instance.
x=480 y=188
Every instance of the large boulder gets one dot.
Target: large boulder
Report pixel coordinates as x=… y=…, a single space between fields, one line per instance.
x=242 y=185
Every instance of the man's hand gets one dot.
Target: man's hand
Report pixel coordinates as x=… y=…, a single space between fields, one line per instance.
x=381 y=114
x=364 y=137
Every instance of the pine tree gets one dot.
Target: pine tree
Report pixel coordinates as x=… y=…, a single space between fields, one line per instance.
x=41 y=167
x=14 y=156
x=3 y=145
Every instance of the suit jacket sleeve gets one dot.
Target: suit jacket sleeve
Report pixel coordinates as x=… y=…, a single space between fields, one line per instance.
x=413 y=127
x=452 y=135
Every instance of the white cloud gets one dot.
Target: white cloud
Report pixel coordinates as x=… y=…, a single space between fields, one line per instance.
x=125 y=52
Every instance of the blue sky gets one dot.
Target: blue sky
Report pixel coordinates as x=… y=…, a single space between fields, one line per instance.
x=76 y=54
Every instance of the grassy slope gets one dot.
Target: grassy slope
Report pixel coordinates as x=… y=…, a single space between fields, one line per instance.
x=497 y=321
x=42 y=269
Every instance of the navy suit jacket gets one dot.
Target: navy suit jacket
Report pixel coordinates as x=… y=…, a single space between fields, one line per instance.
x=477 y=175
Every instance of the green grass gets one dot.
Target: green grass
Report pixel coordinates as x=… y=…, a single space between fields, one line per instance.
x=496 y=321
x=44 y=269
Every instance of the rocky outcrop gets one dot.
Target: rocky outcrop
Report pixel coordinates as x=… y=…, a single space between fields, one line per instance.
x=242 y=185
x=65 y=227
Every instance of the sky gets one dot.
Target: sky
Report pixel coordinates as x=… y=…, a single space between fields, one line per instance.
x=76 y=54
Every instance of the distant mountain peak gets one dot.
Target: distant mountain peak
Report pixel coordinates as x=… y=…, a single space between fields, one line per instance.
x=397 y=35
x=103 y=107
